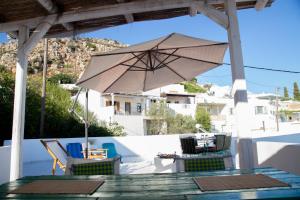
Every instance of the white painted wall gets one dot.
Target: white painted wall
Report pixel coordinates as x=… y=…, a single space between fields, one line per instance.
x=5 y=164
x=133 y=124
x=145 y=147
x=284 y=156
x=105 y=113
x=280 y=150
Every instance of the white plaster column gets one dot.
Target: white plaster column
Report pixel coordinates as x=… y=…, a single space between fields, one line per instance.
x=239 y=90
x=19 y=106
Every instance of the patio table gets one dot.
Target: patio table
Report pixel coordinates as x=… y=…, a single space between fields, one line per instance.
x=164 y=186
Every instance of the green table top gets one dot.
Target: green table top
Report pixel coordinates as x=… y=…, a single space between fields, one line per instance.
x=164 y=186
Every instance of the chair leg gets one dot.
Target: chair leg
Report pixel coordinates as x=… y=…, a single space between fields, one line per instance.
x=54 y=167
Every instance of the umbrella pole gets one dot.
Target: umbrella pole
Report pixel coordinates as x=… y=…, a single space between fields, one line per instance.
x=86 y=126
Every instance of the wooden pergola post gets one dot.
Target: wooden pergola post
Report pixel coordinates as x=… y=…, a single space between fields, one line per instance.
x=25 y=45
x=19 y=106
x=239 y=90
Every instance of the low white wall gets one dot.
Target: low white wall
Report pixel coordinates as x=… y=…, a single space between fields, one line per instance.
x=277 y=150
x=5 y=164
x=282 y=156
x=145 y=147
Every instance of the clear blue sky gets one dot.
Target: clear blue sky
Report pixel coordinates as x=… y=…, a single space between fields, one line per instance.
x=270 y=38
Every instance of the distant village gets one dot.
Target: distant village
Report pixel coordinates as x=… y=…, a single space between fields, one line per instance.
x=130 y=110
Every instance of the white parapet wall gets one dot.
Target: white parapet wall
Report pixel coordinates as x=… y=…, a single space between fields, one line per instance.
x=145 y=147
x=278 y=150
x=270 y=149
x=5 y=164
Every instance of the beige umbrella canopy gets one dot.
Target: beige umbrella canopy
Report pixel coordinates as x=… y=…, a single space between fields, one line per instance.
x=149 y=65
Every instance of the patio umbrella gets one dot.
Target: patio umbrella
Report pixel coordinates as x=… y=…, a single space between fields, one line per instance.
x=171 y=59
x=149 y=65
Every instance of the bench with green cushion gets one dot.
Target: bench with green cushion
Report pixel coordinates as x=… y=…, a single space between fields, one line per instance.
x=203 y=164
x=97 y=168
x=109 y=166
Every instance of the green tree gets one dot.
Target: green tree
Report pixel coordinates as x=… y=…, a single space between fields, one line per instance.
x=296 y=92
x=202 y=117
x=160 y=114
x=286 y=93
x=165 y=121
x=181 y=124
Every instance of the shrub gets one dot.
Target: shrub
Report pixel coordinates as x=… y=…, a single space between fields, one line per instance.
x=91 y=45
x=62 y=78
x=202 y=117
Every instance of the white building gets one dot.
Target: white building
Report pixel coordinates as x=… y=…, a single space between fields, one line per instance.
x=128 y=110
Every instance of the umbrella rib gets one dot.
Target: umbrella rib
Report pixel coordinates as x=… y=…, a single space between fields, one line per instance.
x=123 y=73
x=182 y=47
x=207 y=61
x=167 y=63
x=134 y=66
x=174 y=71
x=105 y=70
x=167 y=58
x=147 y=65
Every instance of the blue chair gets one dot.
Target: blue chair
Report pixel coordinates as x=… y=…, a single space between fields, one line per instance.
x=111 y=150
x=75 y=150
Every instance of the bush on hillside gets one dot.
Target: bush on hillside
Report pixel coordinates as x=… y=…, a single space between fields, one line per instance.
x=62 y=79
x=193 y=87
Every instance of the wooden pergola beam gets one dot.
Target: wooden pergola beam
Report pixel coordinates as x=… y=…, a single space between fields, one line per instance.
x=214 y=14
x=129 y=17
x=117 y=9
x=193 y=11
x=260 y=4
x=52 y=9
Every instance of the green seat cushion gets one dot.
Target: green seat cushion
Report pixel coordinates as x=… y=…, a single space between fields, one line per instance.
x=97 y=168
x=204 y=164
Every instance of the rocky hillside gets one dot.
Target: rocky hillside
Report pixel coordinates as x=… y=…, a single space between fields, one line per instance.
x=64 y=55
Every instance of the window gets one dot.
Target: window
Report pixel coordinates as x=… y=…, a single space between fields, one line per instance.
x=259 y=110
x=139 y=107
x=127 y=108
x=117 y=105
